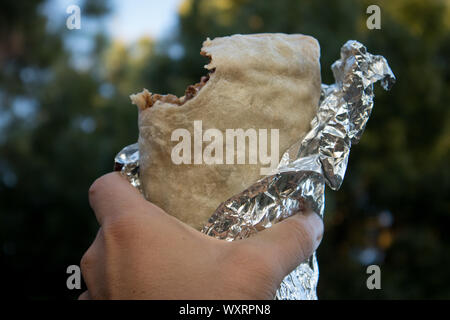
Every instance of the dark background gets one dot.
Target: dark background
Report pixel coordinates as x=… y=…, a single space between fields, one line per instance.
x=61 y=125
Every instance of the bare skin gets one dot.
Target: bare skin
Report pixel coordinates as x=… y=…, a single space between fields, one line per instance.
x=141 y=252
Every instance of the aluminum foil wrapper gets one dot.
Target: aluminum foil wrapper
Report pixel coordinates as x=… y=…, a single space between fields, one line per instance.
x=319 y=159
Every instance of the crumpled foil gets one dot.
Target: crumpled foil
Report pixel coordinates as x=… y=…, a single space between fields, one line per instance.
x=299 y=182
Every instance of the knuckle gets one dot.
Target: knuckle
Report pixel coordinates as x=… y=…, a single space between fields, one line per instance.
x=249 y=272
x=120 y=228
x=101 y=183
x=248 y=257
x=241 y=252
x=87 y=261
x=95 y=187
x=304 y=234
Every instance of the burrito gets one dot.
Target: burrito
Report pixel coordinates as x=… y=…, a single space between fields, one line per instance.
x=230 y=129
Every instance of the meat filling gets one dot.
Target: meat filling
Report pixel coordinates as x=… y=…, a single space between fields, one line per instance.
x=190 y=92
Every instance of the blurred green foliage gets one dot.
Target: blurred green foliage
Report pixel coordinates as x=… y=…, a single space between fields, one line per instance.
x=61 y=125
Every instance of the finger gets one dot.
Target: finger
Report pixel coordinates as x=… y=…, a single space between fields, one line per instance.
x=89 y=263
x=84 y=296
x=111 y=196
x=291 y=241
x=93 y=267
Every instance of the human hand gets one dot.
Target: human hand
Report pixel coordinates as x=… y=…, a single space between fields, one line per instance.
x=141 y=252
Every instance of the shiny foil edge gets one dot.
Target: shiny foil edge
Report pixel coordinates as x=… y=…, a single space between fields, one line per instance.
x=319 y=159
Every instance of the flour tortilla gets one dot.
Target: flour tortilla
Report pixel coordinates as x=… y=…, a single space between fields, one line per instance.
x=260 y=81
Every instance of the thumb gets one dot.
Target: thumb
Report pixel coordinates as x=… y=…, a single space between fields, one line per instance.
x=291 y=241
x=111 y=196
